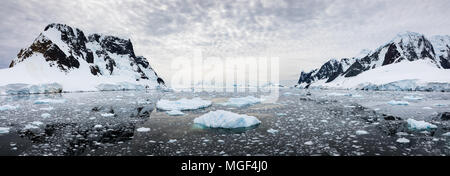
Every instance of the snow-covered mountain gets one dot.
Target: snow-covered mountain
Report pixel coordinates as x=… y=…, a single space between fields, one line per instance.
x=410 y=61
x=63 y=58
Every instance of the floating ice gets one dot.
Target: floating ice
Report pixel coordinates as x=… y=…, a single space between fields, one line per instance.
x=225 y=119
x=107 y=115
x=309 y=143
x=440 y=105
x=143 y=130
x=46 y=109
x=419 y=125
x=33 y=125
x=19 y=89
x=401 y=103
x=4 y=130
x=98 y=126
x=45 y=115
x=272 y=131
x=174 y=113
x=242 y=101
x=446 y=134
x=49 y=101
x=361 y=132
x=183 y=104
x=172 y=141
x=413 y=98
x=7 y=107
x=403 y=140
x=427 y=108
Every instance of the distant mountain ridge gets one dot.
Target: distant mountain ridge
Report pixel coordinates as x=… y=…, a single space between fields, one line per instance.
x=405 y=47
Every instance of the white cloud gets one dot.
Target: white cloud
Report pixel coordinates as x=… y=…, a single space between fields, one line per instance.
x=303 y=34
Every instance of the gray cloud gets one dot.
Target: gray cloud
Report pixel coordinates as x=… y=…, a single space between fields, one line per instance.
x=302 y=33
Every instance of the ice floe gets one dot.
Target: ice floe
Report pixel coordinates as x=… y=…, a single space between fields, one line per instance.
x=419 y=125
x=4 y=130
x=226 y=119
x=107 y=115
x=413 y=98
x=45 y=115
x=49 y=101
x=361 y=132
x=272 y=131
x=174 y=113
x=143 y=130
x=183 y=104
x=401 y=103
x=8 y=107
x=403 y=140
x=242 y=101
x=446 y=134
x=309 y=143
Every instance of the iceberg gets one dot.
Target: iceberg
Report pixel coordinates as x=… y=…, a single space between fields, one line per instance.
x=419 y=125
x=226 y=119
x=243 y=101
x=183 y=104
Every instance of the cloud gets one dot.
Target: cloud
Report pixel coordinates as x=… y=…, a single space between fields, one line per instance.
x=303 y=34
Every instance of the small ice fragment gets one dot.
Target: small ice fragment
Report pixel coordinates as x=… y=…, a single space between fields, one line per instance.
x=309 y=143
x=98 y=126
x=4 y=130
x=45 y=115
x=142 y=130
x=413 y=98
x=427 y=108
x=281 y=114
x=46 y=109
x=446 y=134
x=49 y=101
x=107 y=115
x=174 y=113
x=419 y=125
x=272 y=131
x=172 y=141
x=403 y=140
x=361 y=132
x=400 y=103
x=37 y=123
x=7 y=107
x=402 y=134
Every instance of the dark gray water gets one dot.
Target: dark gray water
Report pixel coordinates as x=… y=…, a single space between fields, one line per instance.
x=323 y=123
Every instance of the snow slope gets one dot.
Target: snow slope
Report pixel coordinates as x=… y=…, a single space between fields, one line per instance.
x=62 y=59
x=415 y=75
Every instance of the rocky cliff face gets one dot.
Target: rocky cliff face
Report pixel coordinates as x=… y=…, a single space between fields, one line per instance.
x=69 y=49
x=407 y=46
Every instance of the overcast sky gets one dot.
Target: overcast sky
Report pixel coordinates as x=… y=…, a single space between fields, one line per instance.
x=303 y=34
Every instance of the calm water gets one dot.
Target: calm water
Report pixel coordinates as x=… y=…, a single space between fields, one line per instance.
x=322 y=123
